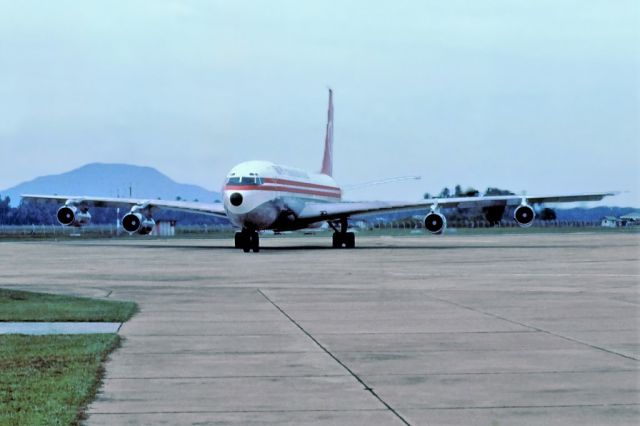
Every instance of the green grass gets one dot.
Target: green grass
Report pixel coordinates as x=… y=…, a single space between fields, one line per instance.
x=49 y=380
x=26 y=306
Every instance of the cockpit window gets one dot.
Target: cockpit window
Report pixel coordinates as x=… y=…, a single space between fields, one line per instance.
x=244 y=180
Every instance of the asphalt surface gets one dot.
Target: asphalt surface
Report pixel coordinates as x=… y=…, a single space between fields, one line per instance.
x=490 y=330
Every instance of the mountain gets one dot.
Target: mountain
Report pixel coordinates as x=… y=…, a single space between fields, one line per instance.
x=111 y=180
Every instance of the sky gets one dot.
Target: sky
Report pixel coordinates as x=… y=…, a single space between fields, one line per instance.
x=537 y=96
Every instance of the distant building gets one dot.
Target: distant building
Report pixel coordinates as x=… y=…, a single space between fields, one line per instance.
x=610 y=222
x=630 y=219
x=165 y=228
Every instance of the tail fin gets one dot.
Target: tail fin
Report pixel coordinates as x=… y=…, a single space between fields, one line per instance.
x=327 y=161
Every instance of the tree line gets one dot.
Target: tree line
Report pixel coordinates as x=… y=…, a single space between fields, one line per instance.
x=30 y=213
x=492 y=214
x=458 y=192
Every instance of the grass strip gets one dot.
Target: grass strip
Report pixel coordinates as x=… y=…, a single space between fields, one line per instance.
x=18 y=305
x=49 y=380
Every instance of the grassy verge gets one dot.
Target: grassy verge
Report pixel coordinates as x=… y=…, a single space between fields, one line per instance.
x=49 y=380
x=26 y=306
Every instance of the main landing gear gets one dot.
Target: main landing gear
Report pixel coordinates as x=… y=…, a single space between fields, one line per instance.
x=248 y=240
x=342 y=238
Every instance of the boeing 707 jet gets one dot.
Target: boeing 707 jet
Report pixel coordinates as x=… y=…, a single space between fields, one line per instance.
x=260 y=195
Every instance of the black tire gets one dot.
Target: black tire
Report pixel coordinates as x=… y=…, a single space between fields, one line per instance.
x=336 y=240
x=245 y=241
x=255 y=242
x=238 y=240
x=350 y=240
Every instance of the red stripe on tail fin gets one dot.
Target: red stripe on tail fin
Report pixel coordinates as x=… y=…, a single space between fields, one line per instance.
x=327 y=161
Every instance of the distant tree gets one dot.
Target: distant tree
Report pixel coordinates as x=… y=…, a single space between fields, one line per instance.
x=445 y=193
x=493 y=214
x=426 y=196
x=4 y=209
x=497 y=191
x=547 y=214
x=469 y=192
x=457 y=192
x=30 y=213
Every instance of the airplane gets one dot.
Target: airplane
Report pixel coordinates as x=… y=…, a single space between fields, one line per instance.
x=260 y=195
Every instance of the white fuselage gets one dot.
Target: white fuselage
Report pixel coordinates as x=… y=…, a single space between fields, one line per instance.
x=261 y=195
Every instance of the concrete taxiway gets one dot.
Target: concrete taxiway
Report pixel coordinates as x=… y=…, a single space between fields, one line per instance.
x=488 y=329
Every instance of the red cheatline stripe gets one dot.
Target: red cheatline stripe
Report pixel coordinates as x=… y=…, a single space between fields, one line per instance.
x=335 y=194
x=296 y=183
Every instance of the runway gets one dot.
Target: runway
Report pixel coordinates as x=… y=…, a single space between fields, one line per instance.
x=535 y=329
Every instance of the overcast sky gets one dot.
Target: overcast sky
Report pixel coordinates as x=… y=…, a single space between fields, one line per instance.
x=542 y=96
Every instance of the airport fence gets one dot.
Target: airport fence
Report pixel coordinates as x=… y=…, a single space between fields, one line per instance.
x=216 y=231
x=56 y=231
x=97 y=231
x=475 y=224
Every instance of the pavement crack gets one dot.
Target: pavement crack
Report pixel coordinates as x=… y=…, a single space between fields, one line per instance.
x=366 y=387
x=533 y=327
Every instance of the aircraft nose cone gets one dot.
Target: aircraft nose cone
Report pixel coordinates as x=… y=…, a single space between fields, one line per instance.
x=235 y=199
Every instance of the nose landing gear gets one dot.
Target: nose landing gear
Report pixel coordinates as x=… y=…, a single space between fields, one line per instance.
x=247 y=240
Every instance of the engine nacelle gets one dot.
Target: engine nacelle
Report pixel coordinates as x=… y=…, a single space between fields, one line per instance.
x=524 y=215
x=435 y=223
x=73 y=216
x=136 y=222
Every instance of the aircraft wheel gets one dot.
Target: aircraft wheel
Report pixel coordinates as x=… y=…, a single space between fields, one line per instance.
x=350 y=240
x=255 y=242
x=243 y=240
x=336 y=240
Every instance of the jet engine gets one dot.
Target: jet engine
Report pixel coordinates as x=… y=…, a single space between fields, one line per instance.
x=134 y=222
x=524 y=215
x=435 y=223
x=73 y=216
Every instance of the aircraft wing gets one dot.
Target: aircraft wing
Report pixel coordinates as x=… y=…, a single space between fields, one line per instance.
x=214 y=209
x=314 y=212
